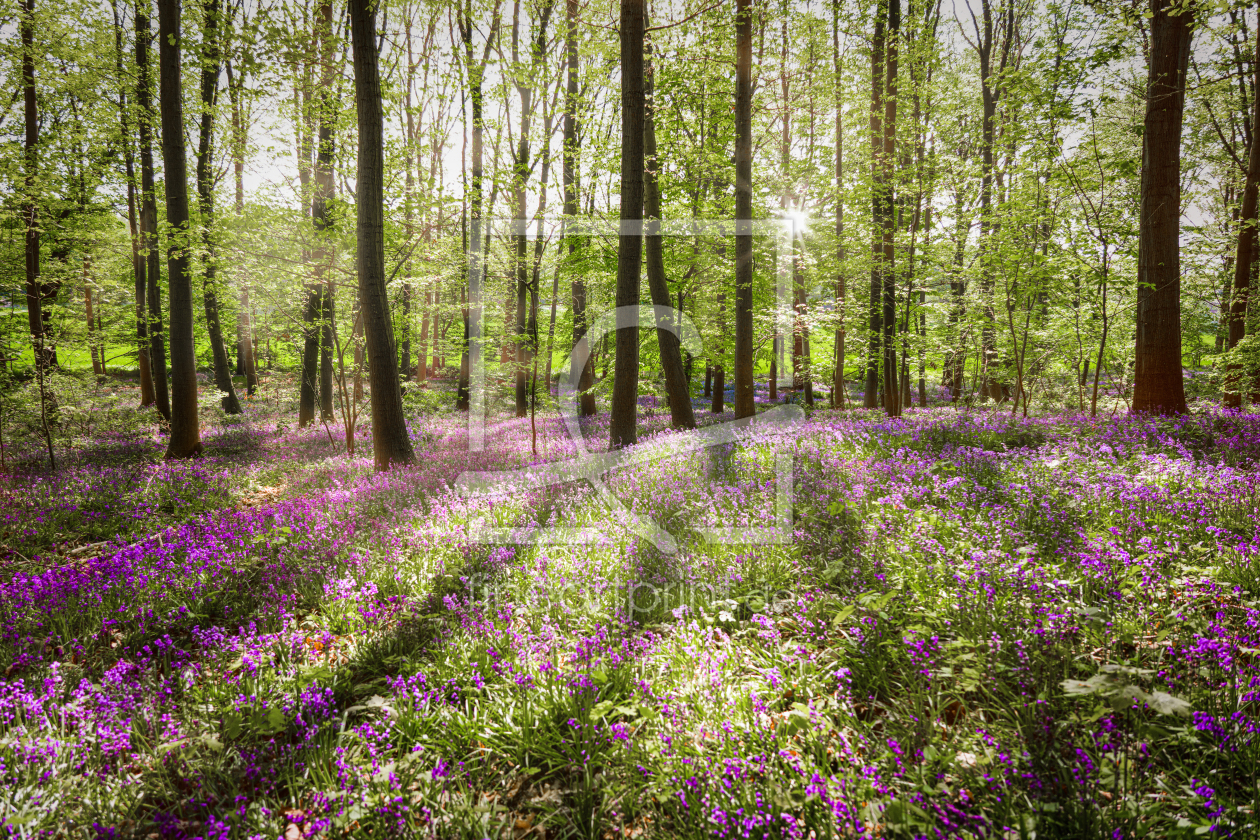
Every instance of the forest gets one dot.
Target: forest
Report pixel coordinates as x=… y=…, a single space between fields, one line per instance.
x=565 y=418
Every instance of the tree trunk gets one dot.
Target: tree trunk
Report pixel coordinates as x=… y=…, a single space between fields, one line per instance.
x=98 y=366
x=185 y=439
x=148 y=213
x=622 y=430
x=743 y=212
x=245 y=354
x=1157 y=385
x=871 y=393
x=390 y=441
x=137 y=262
x=34 y=287
x=676 y=386
x=1245 y=255
x=887 y=219
x=472 y=297
x=205 y=196
x=572 y=143
x=324 y=193
x=838 y=395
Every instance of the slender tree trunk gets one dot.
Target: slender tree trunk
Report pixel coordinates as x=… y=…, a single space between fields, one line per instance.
x=34 y=286
x=622 y=426
x=390 y=441
x=887 y=220
x=98 y=367
x=205 y=195
x=410 y=162
x=572 y=144
x=676 y=387
x=245 y=323
x=148 y=213
x=1158 y=386
x=1245 y=255
x=476 y=73
x=137 y=262
x=525 y=347
x=185 y=439
x=743 y=212
x=871 y=393
x=718 y=404
x=837 y=383
x=323 y=193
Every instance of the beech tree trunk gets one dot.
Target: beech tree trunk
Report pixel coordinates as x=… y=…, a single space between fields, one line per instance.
x=34 y=287
x=148 y=213
x=98 y=358
x=1157 y=384
x=886 y=219
x=1245 y=255
x=246 y=357
x=390 y=442
x=743 y=213
x=622 y=430
x=871 y=394
x=572 y=143
x=323 y=193
x=205 y=197
x=137 y=262
x=676 y=386
x=837 y=382
x=185 y=439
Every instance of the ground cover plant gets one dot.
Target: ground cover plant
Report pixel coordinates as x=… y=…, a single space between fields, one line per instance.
x=981 y=625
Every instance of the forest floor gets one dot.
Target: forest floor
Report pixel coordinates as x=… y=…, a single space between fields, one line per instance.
x=978 y=626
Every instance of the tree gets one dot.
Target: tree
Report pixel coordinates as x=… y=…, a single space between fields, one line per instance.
x=147 y=397
x=622 y=428
x=148 y=212
x=321 y=198
x=185 y=439
x=676 y=385
x=743 y=212
x=210 y=65
x=390 y=442
x=34 y=286
x=1157 y=385
x=1245 y=254
x=572 y=143
x=837 y=382
x=522 y=165
x=476 y=75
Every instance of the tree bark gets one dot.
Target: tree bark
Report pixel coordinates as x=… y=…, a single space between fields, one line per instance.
x=743 y=212
x=622 y=426
x=572 y=144
x=1157 y=384
x=1245 y=255
x=137 y=262
x=98 y=358
x=205 y=194
x=34 y=286
x=324 y=193
x=676 y=386
x=308 y=387
x=837 y=382
x=246 y=357
x=871 y=394
x=185 y=439
x=148 y=213
x=476 y=73
x=887 y=219
x=390 y=442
